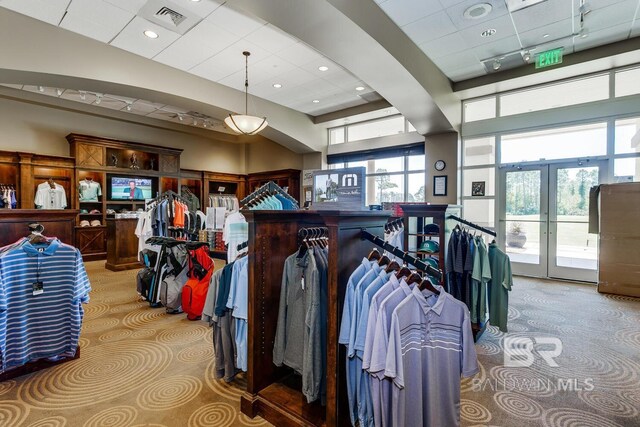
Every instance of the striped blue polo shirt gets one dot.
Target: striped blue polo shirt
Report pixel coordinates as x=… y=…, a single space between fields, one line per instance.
x=430 y=348
x=44 y=325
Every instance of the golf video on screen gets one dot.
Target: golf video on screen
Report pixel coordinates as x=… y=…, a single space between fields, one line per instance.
x=123 y=188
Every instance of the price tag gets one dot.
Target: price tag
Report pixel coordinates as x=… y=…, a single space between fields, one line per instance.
x=38 y=287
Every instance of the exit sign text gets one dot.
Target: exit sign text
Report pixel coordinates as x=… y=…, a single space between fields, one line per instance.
x=549 y=58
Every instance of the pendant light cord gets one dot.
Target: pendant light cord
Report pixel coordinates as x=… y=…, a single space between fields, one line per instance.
x=246 y=82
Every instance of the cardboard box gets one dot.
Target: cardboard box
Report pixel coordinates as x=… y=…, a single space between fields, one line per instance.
x=619 y=258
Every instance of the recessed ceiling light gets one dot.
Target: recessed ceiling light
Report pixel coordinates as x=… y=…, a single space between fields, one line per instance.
x=315 y=101
x=323 y=68
x=151 y=34
x=195 y=1
x=488 y=32
x=360 y=88
x=40 y=89
x=277 y=85
x=478 y=11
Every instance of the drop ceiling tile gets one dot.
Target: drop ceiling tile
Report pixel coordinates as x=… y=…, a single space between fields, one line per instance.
x=295 y=77
x=346 y=81
x=429 y=28
x=96 y=19
x=566 y=43
x=635 y=32
x=463 y=59
x=200 y=43
x=467 y=73
x=608 y=17
x=300 y=54
x=50 y=91
x=50 y=11
x=557 y=30
x=269 y=68
x=201 y=8
x=447 y=45
x=230 y=61
x=235 y=22
x=456 y=13
x=133 y=40
x=313 y=67
x=542 y=14
x=497 y=48
x=403 y=12
x=602 y=37
x=112 y=104
x=271 y=38
x=132 y=6
x=502 y=25
x=599 y=4
x=162 y=115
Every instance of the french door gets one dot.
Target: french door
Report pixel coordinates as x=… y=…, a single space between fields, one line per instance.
x=544 y=219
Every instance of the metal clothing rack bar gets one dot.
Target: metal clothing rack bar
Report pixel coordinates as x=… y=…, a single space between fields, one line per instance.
x=404 y=256
x=472 y=225
x=242 y=245
x=271 y=188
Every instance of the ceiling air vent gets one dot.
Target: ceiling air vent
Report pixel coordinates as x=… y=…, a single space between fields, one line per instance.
x=169 y=15
x=371 y=96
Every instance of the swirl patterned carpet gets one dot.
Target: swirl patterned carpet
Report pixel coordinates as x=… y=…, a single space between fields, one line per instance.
x=142 y=367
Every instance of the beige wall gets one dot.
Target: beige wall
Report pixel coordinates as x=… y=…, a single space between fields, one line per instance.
x=42 y=129
x=442 y=147
x=265 y=155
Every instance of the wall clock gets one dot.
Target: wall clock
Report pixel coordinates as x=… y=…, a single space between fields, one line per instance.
x=440 y=165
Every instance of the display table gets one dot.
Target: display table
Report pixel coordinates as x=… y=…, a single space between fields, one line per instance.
x=122 y=244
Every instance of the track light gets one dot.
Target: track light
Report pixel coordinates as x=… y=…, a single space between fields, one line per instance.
x=180 y=117
x=204 y=124
x=195 y=121
x=129 y=106
x=526 y=55
x=83 y=95
x=98 y=98
x=59 y=91
x=496 y=65
x=40 y=89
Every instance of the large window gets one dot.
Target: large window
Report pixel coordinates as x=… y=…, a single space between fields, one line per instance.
x=386 y=126
x=392 y=179
x=552 y=144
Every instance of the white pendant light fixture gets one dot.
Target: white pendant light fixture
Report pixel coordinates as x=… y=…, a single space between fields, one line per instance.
x=246 y=124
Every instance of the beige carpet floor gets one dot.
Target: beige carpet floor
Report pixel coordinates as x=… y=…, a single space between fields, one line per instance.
x=142 y=367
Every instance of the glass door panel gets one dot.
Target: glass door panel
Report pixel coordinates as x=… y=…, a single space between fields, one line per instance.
x=523 y=219
x=573 y=251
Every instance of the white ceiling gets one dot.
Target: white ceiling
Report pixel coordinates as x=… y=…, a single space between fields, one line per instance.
x=140 y=107
x=455 y=45
x=212 y=49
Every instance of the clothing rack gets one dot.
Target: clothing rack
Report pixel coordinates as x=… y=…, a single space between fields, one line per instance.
x=268 y=188
x=243 y=245
x=472 y=225
x=419 y=264
x=170 y=195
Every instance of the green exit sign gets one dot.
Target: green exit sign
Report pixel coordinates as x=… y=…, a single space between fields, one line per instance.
x=549 y=58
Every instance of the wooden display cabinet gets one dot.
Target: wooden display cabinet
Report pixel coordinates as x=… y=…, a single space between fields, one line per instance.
x=224 y=183
x=122 y=254
x=289 y=178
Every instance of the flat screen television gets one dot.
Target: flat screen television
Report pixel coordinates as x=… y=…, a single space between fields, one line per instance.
x=129 y=188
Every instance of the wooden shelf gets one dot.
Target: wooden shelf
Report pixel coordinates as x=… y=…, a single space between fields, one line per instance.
x=90 y=227
x=278 y=397
x=82 y=202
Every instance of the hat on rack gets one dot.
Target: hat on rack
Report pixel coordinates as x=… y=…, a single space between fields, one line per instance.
x=96 y=223
x=433 y=262
x=432 y=229
x=84 y=223
x=84 y=211
x=430 y=246
x=95 y=211
x=110 y=212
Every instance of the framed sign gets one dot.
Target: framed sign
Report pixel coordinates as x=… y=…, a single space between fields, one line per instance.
x=339 y=189
x=477 y=188
x=440 y=185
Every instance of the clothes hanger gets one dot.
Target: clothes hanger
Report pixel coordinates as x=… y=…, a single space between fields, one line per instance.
x=384 y=261
x=36 y=234
x=393 y=266
x=426 y=284
x=51 y=183
x=374 y=255
x=304 y=245
x=414 y=278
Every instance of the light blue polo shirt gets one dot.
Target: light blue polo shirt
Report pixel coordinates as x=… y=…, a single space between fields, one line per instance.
x=238 y=302
x=381 y=387
x=363 y=392
x=345 y=329
x=430 y=347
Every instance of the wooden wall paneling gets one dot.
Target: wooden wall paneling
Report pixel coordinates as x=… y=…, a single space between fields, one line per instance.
x=57 y=223
x=27 y=191
x=90 y=155
x=92 y=242
x=169 y=163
